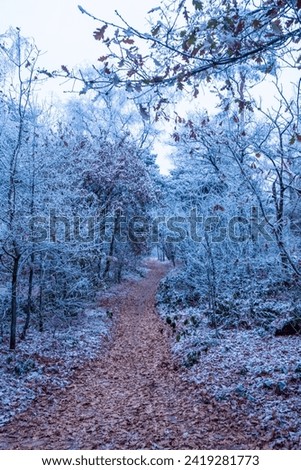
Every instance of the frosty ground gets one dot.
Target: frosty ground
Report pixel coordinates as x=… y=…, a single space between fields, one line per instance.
x=138 y=383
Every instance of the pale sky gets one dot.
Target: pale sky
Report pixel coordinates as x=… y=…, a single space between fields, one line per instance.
x=65 y=36
x=61 y=30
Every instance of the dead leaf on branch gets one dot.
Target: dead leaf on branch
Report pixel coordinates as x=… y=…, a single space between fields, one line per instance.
x=156 y=30
x=277 y=27
x=64 y=68
x=100 y=32
x=197 y=5
x=131 y=72
x=256 y=24
x=128 y=41
x=240 y=27
x=144 y=113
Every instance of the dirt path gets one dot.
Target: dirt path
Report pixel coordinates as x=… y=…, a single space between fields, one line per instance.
x=133 y=397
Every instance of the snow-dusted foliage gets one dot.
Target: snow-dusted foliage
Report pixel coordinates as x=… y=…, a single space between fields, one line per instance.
x=249 y=369
x=46 y=362
x=189 y=42
x=71 y=181
x=236 y=192
x=82 y=203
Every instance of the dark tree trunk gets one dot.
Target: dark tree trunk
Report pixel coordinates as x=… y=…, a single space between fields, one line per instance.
x=41 y=321
x=29 y=299
x=14 y=303
x=112 y=244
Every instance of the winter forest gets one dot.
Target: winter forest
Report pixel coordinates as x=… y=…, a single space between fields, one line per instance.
x=143 y=307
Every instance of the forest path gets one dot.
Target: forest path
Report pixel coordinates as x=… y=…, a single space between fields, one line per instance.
x=132 y=397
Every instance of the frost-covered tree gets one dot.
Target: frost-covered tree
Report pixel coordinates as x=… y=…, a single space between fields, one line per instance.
x=18 y=120
x=189 y=42
x=236 y=180
x=69 y=179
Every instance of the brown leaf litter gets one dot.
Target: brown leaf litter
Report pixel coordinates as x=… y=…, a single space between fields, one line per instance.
x=133 y=396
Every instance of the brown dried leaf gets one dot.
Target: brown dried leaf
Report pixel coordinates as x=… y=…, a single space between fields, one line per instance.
x=128 y=41
x=100 y=32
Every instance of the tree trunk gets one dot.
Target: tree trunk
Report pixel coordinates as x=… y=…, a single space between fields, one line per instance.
x=29 y=299
x=112 y=244
x=14 y=303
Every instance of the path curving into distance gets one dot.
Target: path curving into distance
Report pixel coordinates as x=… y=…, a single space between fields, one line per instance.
x=134 y=396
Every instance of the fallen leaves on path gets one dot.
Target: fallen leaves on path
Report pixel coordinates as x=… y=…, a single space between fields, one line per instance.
x=132 y=397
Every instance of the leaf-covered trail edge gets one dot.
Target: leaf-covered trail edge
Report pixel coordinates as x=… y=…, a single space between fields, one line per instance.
x=133 y=396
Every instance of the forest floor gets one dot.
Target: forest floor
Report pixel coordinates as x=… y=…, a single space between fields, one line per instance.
x=135 y=394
